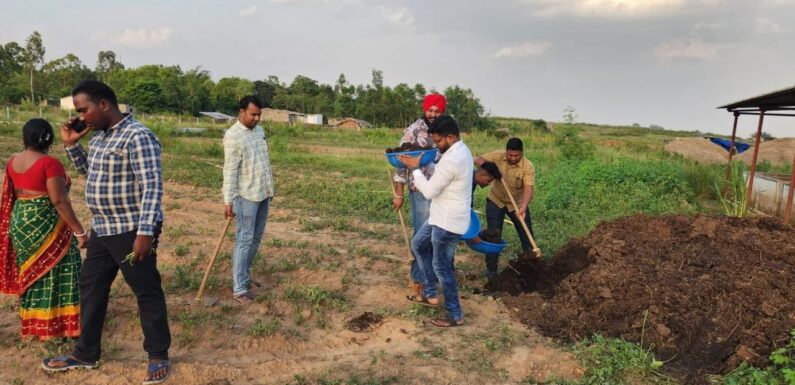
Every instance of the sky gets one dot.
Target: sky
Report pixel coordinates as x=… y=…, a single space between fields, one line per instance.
x=663 y=62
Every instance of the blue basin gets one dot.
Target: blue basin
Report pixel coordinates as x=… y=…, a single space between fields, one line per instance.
x=487 y=247
x=428 y=156
x=474 y=226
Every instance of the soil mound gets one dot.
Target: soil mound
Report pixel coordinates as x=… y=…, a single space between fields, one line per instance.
x=365 y=322
x=778 y=152
x=706 y=292
x=698 y=149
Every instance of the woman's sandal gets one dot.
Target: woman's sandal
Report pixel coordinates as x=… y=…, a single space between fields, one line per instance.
x=157 y=371
x=421 y=300
x=65 y=362
x=446 y=323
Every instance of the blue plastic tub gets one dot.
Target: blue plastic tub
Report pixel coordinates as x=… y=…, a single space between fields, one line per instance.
x=487 y=247
x=474 y=226
x=428 y=156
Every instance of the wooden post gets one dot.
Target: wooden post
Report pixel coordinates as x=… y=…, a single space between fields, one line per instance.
x=788 y=212
x=731 y=146
x=751 y=176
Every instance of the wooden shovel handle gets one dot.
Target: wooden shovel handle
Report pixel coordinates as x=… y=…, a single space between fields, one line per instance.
x=524 y=225
x=212 y=260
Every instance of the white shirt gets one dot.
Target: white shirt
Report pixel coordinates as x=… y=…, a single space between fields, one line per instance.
x=449 y=189
x=247 y=164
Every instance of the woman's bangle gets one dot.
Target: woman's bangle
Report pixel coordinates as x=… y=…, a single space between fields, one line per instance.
x=85 y=232
x=398 y=196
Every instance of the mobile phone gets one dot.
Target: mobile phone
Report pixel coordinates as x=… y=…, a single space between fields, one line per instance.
x=78 y=125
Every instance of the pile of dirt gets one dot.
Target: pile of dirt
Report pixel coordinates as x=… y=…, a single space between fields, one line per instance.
x=490 y=235
x=698 y=149
x=408 y=147
x=778 y=152
x=705 y=292
x=365 y=322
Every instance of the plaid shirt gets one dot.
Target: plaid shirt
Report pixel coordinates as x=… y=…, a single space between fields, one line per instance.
x=247 y=164
x=125 y=185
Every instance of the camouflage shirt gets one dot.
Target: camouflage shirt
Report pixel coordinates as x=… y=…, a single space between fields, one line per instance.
x=417 y=134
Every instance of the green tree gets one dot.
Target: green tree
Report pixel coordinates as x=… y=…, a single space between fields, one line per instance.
x=146 y=95
x=12 y=58
x=228 y=92
x=107 y=63
x=62 y=74
x=465 y=108
x=198 y=88
x=33 y=58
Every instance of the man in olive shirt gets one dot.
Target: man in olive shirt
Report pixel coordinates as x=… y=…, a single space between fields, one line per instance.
x=519 y=175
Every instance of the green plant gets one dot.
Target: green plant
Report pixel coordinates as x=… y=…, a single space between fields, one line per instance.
x=181 y=250
x=265 y=329
x=733 y=196
x=610 y=361
x=780 y=372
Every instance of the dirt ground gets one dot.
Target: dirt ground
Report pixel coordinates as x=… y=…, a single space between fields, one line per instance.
x=706 y=293
x=778 y=152
x=699 y=149
x=281 y=340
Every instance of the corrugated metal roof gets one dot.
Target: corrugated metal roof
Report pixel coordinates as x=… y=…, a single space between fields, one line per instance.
x=770 y=101
x=218 y=115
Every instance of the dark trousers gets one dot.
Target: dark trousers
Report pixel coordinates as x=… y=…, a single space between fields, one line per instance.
x=104 y=258
x=494 y=220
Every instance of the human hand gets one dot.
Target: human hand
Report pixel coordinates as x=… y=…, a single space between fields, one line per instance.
x=229 y=212
x=142 y=247
x=411 y=162
x=82 y=241
x=69 y=135
x=397 y=202
x=475 y=240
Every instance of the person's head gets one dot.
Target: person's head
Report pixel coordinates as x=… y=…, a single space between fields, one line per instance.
x=514 y=150
x=433 y=106
x=37 y=135
x=444 y=132
x=250 y=111
x=486 y=173
x=96 y=103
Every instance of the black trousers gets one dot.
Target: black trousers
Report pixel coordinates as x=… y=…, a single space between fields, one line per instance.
x=494 y=219
x=104 y=259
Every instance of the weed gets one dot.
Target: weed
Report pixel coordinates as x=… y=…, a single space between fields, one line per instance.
x=780 y=372
x=265 y=329
x=734 y=196
x=610 y=361
x=181 y=250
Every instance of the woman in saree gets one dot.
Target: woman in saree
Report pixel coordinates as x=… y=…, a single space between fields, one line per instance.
x=39 y=239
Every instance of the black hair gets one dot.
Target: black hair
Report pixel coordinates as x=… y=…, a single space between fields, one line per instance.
x=444 y=125
x=37 y=134
x=492 y=169
x=250 y=99
x=96 y=90
x=514 y=144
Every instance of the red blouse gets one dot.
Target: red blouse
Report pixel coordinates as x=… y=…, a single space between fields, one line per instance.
x=35 y=177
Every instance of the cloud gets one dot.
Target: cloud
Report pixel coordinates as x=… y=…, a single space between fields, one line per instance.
x=398 y=16
x=612 y=9
x=765 y=25
x=248 y=13
x=314 y=1
x=528 y=48
x=689 y=48
x=144 y=38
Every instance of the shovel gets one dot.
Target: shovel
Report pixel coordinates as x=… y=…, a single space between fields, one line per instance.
x=405 y=231
x=536 y=250
x=210 y=265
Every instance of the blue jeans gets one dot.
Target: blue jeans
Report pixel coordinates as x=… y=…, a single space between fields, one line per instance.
x=250 y=219
x=435 y=248
x=420 y=211
x=494 y=220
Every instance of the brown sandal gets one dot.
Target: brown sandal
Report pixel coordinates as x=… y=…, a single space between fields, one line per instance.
x=422 y=300
x=446 y=323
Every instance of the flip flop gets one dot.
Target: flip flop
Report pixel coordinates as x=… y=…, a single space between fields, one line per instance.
x=69 y=361
x=421 y=300
x=446 y=323
x=153 y=367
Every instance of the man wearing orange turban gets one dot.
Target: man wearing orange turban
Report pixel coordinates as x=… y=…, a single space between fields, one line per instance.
x=417 y=134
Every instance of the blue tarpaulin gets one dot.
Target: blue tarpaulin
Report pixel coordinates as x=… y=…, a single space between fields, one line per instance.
x=739 y=147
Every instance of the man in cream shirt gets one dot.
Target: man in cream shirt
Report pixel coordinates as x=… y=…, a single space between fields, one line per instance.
x=247 y=189
x=450 y=192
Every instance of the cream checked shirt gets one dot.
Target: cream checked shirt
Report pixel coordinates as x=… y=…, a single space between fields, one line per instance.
x=247 y=165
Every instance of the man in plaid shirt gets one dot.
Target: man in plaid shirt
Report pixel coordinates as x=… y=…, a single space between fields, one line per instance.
x=124 y=189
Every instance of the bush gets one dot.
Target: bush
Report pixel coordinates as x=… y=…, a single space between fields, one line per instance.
x=572 y=146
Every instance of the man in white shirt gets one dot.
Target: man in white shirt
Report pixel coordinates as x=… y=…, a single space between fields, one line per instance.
x=450 y=192
x=247 y=189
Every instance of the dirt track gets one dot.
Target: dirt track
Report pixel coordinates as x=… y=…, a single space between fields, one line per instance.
x=706 y=293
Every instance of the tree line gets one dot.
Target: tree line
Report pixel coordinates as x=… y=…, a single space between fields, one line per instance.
x=25 y=77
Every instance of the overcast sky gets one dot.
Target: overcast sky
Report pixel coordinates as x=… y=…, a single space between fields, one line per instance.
x=664 y=62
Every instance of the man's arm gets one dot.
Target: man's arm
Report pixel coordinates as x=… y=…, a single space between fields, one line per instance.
x=479 y=161
x=145 y=161
x=430 y=188
x=232 y=159
x=527 y=196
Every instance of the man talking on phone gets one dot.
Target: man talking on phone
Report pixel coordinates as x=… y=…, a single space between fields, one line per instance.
x=124 y=189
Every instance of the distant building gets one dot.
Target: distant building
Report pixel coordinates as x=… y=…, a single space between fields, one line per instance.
x=316 y=119
x=283 y=116
x=351 y=123
x=218 y=117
